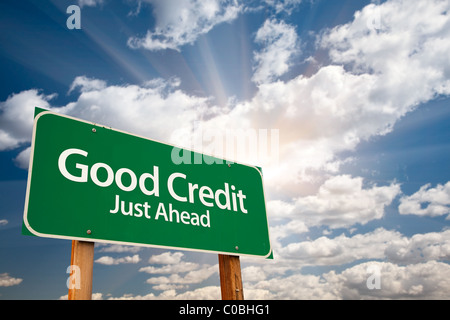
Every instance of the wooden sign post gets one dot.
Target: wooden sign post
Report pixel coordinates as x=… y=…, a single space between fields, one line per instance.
x=82 y=263
x=230 y=277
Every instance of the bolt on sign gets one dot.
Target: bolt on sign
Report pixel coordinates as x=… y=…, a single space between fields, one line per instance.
x=94 y=183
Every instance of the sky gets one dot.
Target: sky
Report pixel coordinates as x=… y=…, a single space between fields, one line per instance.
x=353 y=96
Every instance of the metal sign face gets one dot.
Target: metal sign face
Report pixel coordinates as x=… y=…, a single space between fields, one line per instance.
x=93 y=183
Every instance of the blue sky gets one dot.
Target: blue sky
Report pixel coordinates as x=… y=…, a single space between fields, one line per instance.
x=358 y=91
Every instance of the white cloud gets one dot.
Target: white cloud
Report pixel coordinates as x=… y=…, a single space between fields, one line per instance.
x=182 y=22
x=417 y=281
x=427 y=201
x=16 y=117
x=23 y=159
x=279 y=41
x=3 y=222
x=376 y=78
x=286 y=229
x=7 y=281
x=283 y=5
x=342 y=249
x=420 y=247
x=118 y=248
x=293 y=287
x=341 y=201
x=107 y=260
x=253 y=274
x=428 y=280
x=406 y=51
x=205 y=293
x=178 y=267
x=181 y=274
x=166 y=258
x=379 y=244
x=86 y=84
x=192 y=277
x=169 y=287
x=157 y=109
x=90 y=3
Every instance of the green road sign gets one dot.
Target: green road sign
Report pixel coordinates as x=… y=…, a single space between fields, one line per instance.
x=93 y=183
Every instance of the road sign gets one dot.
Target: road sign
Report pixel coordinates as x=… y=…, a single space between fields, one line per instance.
x=94 y=183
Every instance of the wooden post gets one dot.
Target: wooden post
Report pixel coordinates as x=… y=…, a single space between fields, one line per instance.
x=230 y=277
x=82 y=263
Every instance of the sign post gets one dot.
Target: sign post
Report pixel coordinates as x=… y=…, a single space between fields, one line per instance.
x=82 y=264
x=230 y=277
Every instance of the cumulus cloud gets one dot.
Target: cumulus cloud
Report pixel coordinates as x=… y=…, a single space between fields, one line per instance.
x=379 y=244
x=86 y=84
x=283 y=5
x=406 y=51
x=117 y=248
x=417 y=281
x=180 y=274
x=192 y=277
x=342 y=249
x=419 y=248
x=179 y=267
x=89 y=3
x=107 y=260
x=279 y=41
x=16 y=117
x=204 y=293
x=7 y=281
x=155 y=109
x=182 y=22
x=253 y=273
x=341 y=201
x=23 y=158
x=428 y=280
x=427 y=201
x=366 y=89
x=166 y=258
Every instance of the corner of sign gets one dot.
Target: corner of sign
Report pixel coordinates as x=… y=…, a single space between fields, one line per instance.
x=38 y=110
x=26 y=231
x=257 y=168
